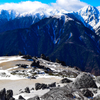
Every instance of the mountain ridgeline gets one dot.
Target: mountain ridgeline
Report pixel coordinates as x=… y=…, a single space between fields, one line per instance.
x=65 y=37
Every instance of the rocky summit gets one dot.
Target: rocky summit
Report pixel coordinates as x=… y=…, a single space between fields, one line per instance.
x=52 y=80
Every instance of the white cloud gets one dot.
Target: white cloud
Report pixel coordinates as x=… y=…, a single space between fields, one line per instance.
x=69 y=5
x=23 y=6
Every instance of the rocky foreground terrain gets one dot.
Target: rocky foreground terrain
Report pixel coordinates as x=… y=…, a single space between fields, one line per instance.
x=33 y=78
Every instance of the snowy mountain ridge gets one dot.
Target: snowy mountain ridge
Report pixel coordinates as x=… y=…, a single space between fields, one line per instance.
x=40 y=13
x=8 y=14
x=63 y=37
x=89 y=16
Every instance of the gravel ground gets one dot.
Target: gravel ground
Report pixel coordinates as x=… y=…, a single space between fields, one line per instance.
x=16 y=85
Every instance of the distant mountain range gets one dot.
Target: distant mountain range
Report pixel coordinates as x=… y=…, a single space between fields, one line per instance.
x=70 y=37
x=10 y=19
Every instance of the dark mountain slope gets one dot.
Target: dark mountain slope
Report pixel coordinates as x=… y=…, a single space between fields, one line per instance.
x=63 y=38
x=19 y=22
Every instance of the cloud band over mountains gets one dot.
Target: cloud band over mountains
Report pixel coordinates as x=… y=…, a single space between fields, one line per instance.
x=21 y=7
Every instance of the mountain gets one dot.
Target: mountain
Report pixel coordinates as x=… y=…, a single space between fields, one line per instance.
x=63 y=37
x=70 y=37
x=91 y=16
x=10 y=19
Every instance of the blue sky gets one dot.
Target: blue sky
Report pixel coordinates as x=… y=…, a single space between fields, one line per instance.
x=17 y=1
x=91 y=2
x=28 y=5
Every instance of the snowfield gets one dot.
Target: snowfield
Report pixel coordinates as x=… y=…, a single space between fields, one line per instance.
x=17 y=78
x=10 y=81
x=5 y=74
x=12 y=58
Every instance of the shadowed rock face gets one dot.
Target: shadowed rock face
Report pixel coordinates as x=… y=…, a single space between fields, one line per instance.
x=34 y=98
x=78 y=90
x=65 y=80
x=59 y=93
x=63 y=93
x=87 y=93
x=6 y=95
x=84 y=80
x=21 y=98
x=69 y=41
x=2 y=94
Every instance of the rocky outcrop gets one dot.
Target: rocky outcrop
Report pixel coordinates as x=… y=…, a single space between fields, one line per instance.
x=27 y=56
x=27 y=90
x=87 y=93
x=9 y=94
x=57 y=93
x=35 y=63
x=39 y=86
x=43 y=86
x=84 y=80
x=68 y=73
x=61 y=62
x=21 y=98
x=6 y=95
x=44 y=57
x=52 y=85
x=22 y=65
x=65 y=80
x=34 y=98
x=2 y=94
x=64 y=93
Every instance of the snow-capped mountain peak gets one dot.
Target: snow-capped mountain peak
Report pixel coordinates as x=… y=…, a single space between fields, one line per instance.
x=90 y=14
x=8 y=14
x=39 y=13
x=44 y=12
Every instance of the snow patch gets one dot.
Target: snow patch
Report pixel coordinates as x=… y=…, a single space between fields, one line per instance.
x=48 y=76
x=12 y=58
x=5 y=75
